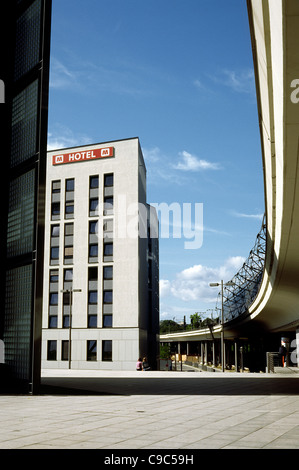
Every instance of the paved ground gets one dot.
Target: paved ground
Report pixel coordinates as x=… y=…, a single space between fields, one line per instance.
x=154 y=410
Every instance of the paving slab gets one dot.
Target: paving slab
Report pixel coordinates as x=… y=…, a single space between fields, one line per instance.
x=154 y=410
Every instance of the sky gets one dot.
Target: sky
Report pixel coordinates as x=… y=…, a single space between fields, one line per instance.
x=179 y=76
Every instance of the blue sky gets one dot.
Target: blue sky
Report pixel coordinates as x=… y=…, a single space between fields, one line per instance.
x=178 y=75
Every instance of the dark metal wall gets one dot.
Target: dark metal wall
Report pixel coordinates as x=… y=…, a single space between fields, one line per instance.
x=24 y=121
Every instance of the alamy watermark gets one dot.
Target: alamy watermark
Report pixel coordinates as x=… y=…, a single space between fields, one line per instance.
x=295 y=93
x=155 y=220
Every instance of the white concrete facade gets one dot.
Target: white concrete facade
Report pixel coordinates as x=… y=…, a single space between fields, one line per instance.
x=92 y=244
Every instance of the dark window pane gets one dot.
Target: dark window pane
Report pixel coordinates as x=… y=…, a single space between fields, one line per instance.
x=65 y=350
x=108 y=272
x=53 y=321
x=93 y=205
x=93 y=297
x=108 y=180
x=93 y=274
x=107 y=321
x=70 y=185
x=66 y=321
x=108 y=203
x=69 y=208
x=56 y=208
x=93 y=227
x=55 y=252
x=52 y=350
x=93 y=250
x=94 y=182
x=107 y=297
x=108 y=249
x=107 y=350
x=54 y=298
x=92 y=321
x=91 y=350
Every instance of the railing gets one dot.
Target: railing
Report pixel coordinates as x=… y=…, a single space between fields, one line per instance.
x=246 y=283
x=272 y=359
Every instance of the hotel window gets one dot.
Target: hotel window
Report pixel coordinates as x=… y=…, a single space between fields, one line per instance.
x=69 y=210
x=92 y=274
x=54 y=254
x=92 y=321
x=54 y=243
x=108 y=297
x=65 y=350
x=108 y=205
x=93 y=253
x=68 y=254
x=94 y=182
x=68 y=279
x=106 y=350
x=93 y=207
x=55 y=211
x=56 y=185
x=68 y=243
x=54 y=276
x=68 y=275
x=69 y=198
x=52 y=350
x=66 y=310
x=107 y=320
x=108 y=251
x=53 y=298
x=92 y=297
x=108 y=194
x=93 y=227
x=55 y=200
x=53 y=321
x=108 y=272
x=108 y=180
x=54 y=231
x=70 y=185
x=91 y=350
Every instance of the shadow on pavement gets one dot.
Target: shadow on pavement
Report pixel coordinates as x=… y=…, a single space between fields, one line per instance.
x=170 y=386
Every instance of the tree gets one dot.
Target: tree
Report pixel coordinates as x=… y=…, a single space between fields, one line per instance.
x=169 y=326
x=165 y=352
x=196 y=320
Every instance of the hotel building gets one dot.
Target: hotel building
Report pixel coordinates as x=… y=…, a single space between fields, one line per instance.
x=101 y=270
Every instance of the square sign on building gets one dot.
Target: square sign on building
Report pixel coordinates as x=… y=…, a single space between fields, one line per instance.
x=101 y=276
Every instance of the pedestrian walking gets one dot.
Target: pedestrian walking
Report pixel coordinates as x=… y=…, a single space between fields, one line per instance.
x=282 y=355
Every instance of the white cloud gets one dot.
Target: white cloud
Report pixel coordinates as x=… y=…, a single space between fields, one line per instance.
x=152 y=155
x=239 y=81
x=61 y=77
x=62 y=137
x=242 y=82
x=190 y=162
x=247 y=216
x=192 y=284
x=164 y=285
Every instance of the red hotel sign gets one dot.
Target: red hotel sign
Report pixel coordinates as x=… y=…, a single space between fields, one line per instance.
x=82 y=156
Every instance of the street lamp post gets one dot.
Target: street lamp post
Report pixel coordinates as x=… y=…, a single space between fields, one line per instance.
x=217 y=284
x=70 y=292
